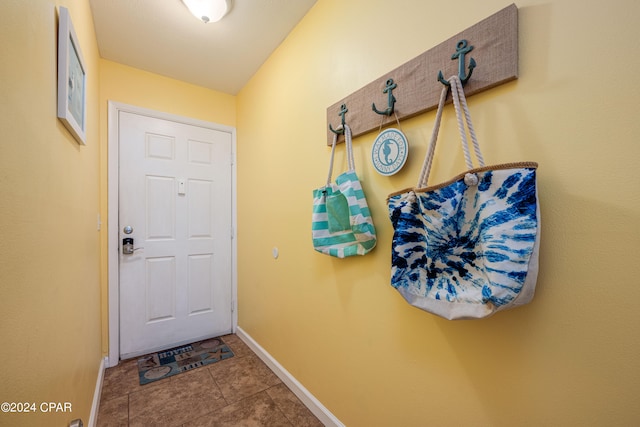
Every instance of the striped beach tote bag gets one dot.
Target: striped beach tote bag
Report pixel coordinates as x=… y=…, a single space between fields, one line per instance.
x=341 y=221
x=466 y=248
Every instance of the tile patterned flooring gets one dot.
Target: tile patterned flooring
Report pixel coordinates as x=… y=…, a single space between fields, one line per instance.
x=240 y=391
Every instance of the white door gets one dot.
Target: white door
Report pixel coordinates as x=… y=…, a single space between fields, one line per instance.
x=176 y=205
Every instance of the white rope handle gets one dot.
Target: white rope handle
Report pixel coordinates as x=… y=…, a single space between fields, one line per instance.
x=426 y=165
x=351 y=164
x=347 y=142
x=459 y=102
x=459 y=98
x=333 y=151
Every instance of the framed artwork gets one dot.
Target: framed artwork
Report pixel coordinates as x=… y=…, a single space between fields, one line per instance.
x=72 y=79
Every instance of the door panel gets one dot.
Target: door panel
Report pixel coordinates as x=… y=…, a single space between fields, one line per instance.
x=160 y=284
x=160 y=208
x=200 y=283
x=175 y=192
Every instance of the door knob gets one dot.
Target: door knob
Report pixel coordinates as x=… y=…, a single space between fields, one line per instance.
x=128 y=229
x=127 y=246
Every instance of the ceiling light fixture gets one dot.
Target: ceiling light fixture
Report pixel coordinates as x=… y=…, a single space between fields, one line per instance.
x=208 y=10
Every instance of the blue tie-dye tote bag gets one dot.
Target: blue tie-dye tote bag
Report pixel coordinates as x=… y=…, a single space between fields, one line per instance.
x=468 y=247
x=341 y=223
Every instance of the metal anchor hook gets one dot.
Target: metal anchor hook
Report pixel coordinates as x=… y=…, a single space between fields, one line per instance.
x=461 y=50
x=340 y=130
x=392 y=99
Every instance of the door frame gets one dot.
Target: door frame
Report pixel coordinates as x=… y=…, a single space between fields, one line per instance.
x=113 y=231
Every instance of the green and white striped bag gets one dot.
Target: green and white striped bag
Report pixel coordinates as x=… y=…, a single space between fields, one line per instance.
x=341 y=223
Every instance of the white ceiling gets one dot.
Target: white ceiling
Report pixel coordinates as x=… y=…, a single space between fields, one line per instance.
x=162 y=37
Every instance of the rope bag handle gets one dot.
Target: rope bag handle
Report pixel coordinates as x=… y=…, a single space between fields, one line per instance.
x=459 y=102
x=347 y=142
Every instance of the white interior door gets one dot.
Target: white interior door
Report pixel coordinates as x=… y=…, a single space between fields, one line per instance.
x=175 y=202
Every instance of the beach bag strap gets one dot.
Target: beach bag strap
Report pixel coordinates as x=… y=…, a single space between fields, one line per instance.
x=459 y=103
x=347 y=142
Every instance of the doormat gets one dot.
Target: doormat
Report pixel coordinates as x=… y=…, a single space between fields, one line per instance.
x=163 y=364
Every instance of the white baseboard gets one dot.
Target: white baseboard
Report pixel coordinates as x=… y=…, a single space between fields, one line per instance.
x=314 y=405
x=95 y=406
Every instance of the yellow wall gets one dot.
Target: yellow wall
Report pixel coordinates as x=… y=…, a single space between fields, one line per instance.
x=568 y=359
x=49 y=203
x=126 y=85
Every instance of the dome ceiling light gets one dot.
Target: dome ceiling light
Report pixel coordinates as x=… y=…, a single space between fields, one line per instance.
x=208 y=10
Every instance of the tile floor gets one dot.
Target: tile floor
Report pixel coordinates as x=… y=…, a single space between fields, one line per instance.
x=240 y=391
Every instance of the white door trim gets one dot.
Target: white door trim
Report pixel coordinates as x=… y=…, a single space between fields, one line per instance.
x=113 y=209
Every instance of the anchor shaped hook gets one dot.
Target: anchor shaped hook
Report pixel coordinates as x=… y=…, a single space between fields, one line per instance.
x=461 y=50
x=392 y=99
x=340 y=130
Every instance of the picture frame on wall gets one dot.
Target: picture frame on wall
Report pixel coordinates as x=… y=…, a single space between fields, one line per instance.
x=72 y=79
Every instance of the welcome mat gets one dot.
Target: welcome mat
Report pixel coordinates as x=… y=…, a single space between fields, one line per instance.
x=163 y=364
